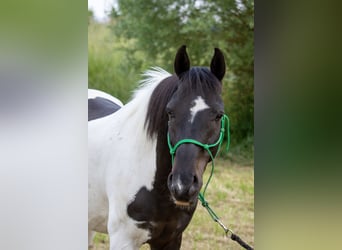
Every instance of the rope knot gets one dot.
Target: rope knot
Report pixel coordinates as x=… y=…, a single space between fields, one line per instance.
x=205 y=146
x=205 y=203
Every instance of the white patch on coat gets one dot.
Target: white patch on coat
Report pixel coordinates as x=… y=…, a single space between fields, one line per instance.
x=122 y=159
x=199 y=105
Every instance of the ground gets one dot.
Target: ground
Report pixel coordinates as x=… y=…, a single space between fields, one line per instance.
x=231 y=195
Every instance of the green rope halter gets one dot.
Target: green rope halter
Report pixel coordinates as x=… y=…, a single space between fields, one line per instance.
x=201 y=196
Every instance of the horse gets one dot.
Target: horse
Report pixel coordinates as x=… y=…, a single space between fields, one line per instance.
x=137 y=192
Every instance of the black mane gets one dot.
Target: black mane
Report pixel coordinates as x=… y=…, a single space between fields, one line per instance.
x=197 y=79
x=200 y=80
x=156 y=116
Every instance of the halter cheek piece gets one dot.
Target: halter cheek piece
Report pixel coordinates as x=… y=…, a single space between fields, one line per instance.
x=207 y=147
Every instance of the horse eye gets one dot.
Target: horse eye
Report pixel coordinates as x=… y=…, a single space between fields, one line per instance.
x=170 y=113
x=218 y=117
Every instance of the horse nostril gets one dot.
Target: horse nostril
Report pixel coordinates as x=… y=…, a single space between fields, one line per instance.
x=195 y=181
x=169 y=183
x=183 y=188
x=170 y=178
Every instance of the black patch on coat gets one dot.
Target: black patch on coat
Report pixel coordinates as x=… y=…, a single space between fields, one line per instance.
x=100 y=107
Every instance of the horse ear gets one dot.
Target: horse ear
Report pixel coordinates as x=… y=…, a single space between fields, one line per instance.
x=182 y=62
x=218 y=65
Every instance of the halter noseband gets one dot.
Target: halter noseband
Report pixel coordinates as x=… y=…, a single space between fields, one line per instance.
x=206 y=147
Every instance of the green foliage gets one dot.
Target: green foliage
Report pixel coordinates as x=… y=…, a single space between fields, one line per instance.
x=243 y=151
x=109 y=67
x=159 y=28
x=148 y=33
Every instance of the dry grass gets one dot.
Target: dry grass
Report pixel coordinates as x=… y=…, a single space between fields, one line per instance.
x=231 y=196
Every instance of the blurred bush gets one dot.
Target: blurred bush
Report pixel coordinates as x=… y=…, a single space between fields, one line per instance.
x=130 y=43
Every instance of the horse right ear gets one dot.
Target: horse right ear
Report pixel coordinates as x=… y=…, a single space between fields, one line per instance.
x=182 y=62
x=218 y=65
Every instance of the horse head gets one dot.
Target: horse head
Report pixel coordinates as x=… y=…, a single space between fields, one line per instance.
x=194 y=112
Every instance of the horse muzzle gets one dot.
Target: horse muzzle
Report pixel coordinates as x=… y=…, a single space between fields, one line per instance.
x=184 y=188
x=185 y=180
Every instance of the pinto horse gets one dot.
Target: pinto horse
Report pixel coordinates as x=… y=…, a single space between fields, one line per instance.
x=137 y=193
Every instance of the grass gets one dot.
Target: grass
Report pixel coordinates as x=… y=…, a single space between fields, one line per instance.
x=231 y=196
x=108 y=66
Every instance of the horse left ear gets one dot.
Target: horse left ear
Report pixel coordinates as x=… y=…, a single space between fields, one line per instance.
x=182 y=62
x=218 y=65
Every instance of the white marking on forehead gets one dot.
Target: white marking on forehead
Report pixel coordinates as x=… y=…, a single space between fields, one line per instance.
x=199 y=105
